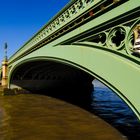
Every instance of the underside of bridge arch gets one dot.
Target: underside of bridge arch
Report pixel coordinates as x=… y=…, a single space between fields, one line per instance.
x=53 y=78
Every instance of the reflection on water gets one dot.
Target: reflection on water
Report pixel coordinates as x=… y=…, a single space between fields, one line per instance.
x=111 y=108
x=39 y=117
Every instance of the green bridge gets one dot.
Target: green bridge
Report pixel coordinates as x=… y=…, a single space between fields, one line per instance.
x=86 y=40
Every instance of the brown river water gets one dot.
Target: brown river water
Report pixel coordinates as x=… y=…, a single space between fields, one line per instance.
x=39 y=117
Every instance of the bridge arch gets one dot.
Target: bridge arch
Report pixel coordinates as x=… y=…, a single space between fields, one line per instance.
x=113 y=69
x=45 y=69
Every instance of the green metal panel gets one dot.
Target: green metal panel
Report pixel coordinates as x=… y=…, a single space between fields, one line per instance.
x=117 y=72
x=117 y=14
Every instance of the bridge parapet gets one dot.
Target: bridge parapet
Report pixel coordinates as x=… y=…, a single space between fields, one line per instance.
x=75 y=15
x=69 y=13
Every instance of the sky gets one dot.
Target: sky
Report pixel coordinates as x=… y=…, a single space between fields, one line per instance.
x=21 y=19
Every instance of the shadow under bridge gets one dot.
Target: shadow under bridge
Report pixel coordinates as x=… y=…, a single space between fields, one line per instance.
x=54 y=79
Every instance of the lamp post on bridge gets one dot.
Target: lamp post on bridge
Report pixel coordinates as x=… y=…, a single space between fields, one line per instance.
x=4 y=81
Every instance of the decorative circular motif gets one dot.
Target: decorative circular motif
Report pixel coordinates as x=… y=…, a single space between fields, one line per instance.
x=102 y=38
x=99 y=38
x=116 y=38
x=130 y=39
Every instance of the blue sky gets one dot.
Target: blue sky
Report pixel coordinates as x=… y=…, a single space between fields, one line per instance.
x=21 y=19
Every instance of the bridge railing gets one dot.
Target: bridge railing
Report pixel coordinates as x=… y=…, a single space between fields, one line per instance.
x=103 y=13
x=69 y=13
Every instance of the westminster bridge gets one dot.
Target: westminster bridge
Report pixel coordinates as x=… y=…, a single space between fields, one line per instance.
x=86 y=40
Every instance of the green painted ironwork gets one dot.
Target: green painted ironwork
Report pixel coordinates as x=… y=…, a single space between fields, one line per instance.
x=96 y=36
x=90 y=14
x=117 y=72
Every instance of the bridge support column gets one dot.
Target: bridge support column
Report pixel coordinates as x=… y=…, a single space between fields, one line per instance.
x=4 y=81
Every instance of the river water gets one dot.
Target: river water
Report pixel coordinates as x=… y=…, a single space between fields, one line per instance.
x=39 y=117
x=112 y=109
